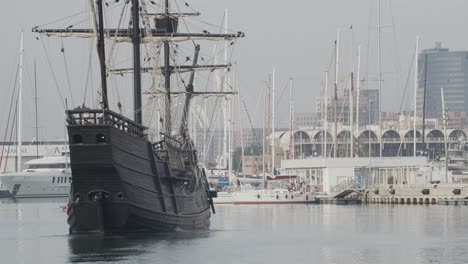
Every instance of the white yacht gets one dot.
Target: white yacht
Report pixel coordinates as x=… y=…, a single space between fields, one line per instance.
x=44 y=177
x=281 y=190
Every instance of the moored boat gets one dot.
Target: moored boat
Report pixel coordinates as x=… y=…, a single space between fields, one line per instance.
x=282 y=190
x=44 y=177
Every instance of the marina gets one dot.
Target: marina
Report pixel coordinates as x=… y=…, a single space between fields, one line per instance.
x=173 y=131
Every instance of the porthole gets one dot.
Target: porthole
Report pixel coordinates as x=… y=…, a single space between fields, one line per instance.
x=100 y=138
x=77 y=138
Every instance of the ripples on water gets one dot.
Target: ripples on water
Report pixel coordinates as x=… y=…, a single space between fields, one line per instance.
x=35 y=231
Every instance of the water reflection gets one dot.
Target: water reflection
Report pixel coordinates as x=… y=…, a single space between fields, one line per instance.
x=115 y=248
x=36 y=232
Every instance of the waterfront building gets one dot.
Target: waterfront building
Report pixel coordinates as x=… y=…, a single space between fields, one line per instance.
x=440 y=67
x=310 y=143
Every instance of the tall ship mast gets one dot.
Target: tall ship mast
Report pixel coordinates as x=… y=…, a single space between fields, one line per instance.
x=122 y=181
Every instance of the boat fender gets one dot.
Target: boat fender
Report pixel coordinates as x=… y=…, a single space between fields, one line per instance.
x=292 y=196
x=286 y=196
x=277 y=197
x=258 y=196
x=307 y=197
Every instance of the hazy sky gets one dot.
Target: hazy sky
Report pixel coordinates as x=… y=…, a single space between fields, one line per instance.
x=294 y=36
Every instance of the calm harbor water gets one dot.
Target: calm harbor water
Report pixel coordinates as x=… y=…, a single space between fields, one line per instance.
x=35 y=231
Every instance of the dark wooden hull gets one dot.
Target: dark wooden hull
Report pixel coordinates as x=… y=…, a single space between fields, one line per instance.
x=137 y=190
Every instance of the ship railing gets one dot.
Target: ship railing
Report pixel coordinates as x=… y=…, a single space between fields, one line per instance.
x=90 y=117
x=175 y=156
x=172 y=150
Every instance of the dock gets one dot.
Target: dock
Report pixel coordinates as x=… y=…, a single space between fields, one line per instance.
x=453 y=202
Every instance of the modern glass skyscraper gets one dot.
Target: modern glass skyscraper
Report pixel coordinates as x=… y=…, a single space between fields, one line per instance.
x=440 y=67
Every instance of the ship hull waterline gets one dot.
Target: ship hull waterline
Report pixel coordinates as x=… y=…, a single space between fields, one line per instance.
x=120 y=185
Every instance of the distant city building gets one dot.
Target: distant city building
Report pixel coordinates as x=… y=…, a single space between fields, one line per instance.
x=368 y=110
x=248 y=137
x=306 y=119
x=369 y=107
x=440 y=67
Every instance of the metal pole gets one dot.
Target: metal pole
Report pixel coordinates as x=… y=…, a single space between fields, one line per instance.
x=36 y=104
x=416 y=84
x=263 y=140
x=380 y=84
x=20 y=106
x=351 y=114
x=424 y=104
x=325 y=137
x=358 y=88
x=445 y=117
x=371 y=180
x=291 y=120
x=273 y=123
x=335 y=99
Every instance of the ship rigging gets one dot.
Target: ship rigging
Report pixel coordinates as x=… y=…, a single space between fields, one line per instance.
x=122 y=181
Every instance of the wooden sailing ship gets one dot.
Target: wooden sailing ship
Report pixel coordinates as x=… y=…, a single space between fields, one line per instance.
x=121 y=181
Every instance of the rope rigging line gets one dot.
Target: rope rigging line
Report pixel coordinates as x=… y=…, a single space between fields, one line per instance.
x=185 y=22
x=250 y=118
x=88 y=72
x=218 y=102
x=214 y=116
x=407 y=81
x=114 y=48
x=369 y=34
x=9 y=113
x=11 y=133
x=397 y=61
x=406 y=85
x=53 y=74
x=65 y=22
x=67 y=72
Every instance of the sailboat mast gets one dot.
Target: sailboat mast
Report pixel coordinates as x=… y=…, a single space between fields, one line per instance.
x=269 y=104
x=228 y=106
x=136 y=40
x=351 y=114
x=424 y=104
x=273 y=122
x=325 y=137
x=20 y=106
x=263 y=138
x=335 y=102
x=102 y=55
x=35 y=105
x=291 y=120
x=358 y=88
x=445 y=119
x=379 y=62
x=416 y=84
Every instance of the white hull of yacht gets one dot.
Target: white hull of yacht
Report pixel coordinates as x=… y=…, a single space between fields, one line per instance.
x=37 y=184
